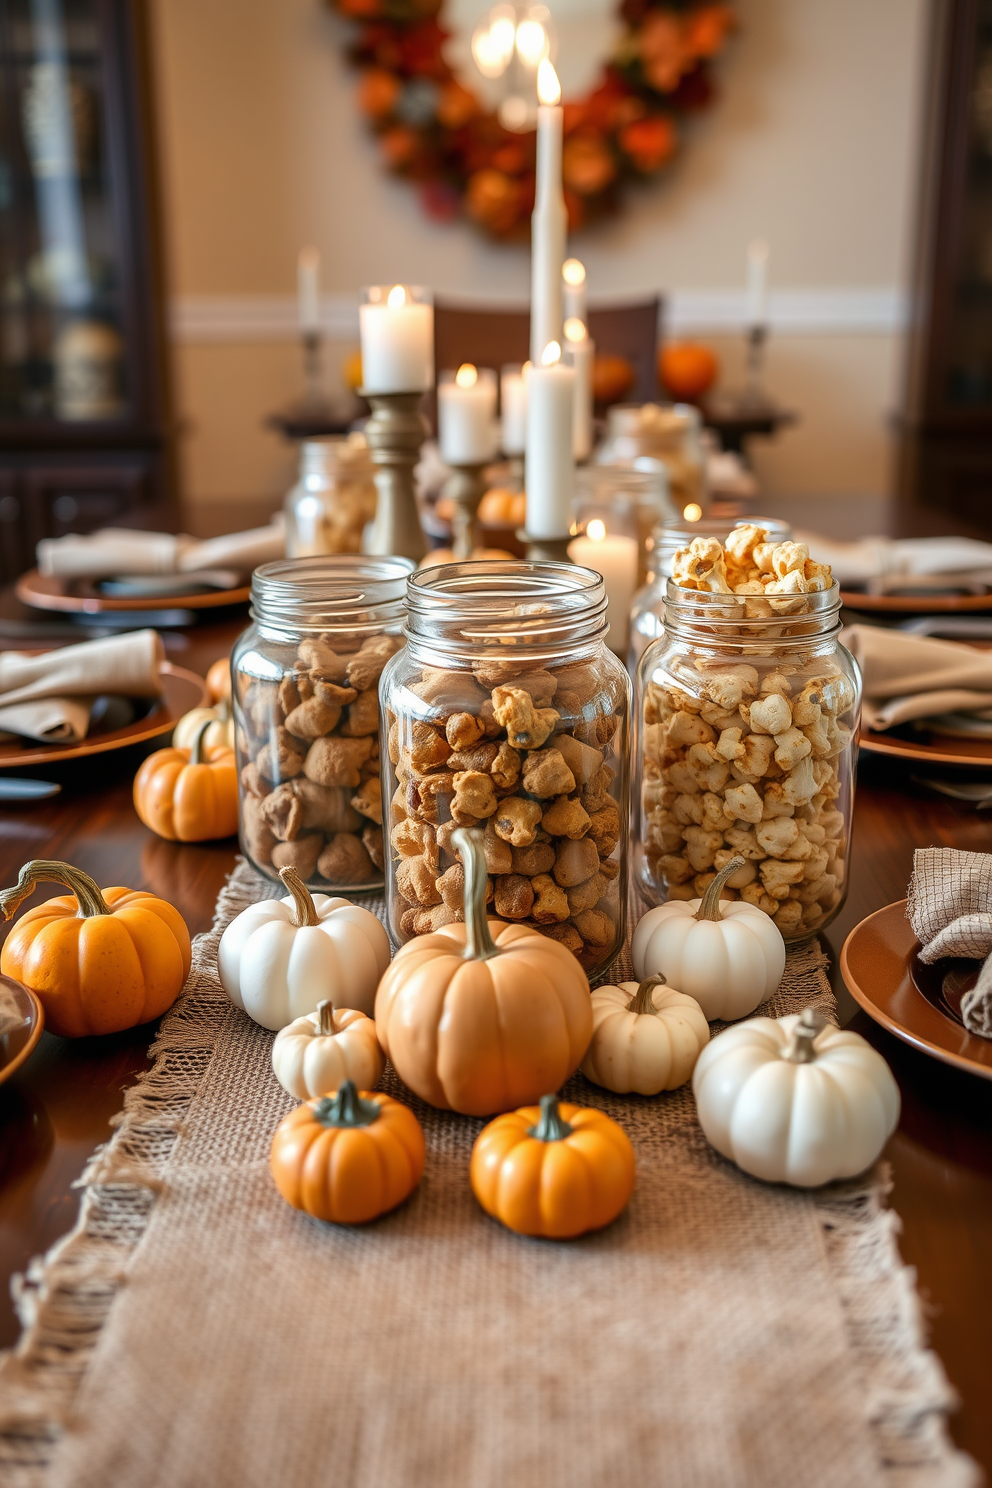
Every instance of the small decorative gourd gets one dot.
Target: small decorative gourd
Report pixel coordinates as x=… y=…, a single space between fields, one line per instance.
x=479 y=1024
x=189 y=795
x=553 y=1170
x=645 y=1038
x=318 y=1053
x=280 y=958
x=102 y=961
x=219 y=680
x=795 y=1100
x=348 y=1157
x=218 y=734
x=729 y=957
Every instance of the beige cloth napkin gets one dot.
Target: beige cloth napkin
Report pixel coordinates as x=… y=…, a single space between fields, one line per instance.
x=119 y=551
x=49 y=697
x=950 y=910
x=907 y=676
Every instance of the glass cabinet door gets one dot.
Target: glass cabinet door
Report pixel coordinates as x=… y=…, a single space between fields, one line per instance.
x=62 y=348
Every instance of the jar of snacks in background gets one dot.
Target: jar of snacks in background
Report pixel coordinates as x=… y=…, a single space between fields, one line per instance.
x=306 y=715
x=333 y=499
x=671 y=433
x=748 y=710
x=506 y=710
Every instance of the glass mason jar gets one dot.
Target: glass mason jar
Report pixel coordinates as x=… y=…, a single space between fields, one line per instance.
x=748 y=711
x=671 y=433
x=333 y=500
x=647 y=611
x=506 y=710
x=306 y=715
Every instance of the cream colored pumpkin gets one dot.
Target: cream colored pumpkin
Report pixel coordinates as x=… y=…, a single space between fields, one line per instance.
x=220 y=734
x=315 y=1055
x=645 y=1038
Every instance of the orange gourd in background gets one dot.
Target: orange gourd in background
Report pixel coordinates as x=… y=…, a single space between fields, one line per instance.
x=612 y=379
x=348 y=1157
x=553 y=1170
x=100 y=962
x=219 y=680
x=187 y=797
x=687 y=370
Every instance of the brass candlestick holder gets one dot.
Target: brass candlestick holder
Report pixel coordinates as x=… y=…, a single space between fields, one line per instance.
x=546 y=549
x=465 y=488
x=395 y=433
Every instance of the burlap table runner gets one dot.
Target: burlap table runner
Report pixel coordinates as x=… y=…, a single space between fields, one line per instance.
x=196 y=1331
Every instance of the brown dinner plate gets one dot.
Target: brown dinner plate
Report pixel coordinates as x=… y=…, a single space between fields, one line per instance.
x=82 y=597
x=929 y=747
x=181 y=691
x=16 y=1045
x=919 y=1004
x=915 y=604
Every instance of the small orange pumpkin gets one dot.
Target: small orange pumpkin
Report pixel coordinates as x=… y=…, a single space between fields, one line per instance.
x=687 y=370
x=348 y=1157
x=555 y=1171
x=189 y=795
x=612 y=378
x=101 y=961
x=219 y=680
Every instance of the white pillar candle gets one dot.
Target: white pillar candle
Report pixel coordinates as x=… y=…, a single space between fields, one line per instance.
x=513 y=401
x=614 y=556
x=550 y=466
x=308 y=290
x=466 y=416
x=397 y=334
x=574 y=304
x=580 y=353
x=757 y=283
x=550 y=220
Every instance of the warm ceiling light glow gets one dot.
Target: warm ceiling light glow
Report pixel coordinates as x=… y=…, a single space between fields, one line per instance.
x=532 y=46
x=693 y=512
x=573 y=272
x=596 y=530
x=396 y=297
x=548 y=86
x=466 y=376
x=552 y=354
x=574 y=329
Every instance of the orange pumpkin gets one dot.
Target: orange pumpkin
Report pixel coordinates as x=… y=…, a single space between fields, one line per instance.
x=612 y=378
x=219 y=680
x=552 y=1170
x=502 y=508
x=101 y=961
x=687 y=370
x=189 y=795
x=477 y=1024
x=349 y=1157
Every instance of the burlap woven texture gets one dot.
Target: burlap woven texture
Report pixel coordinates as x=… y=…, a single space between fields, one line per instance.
x=720 y=1333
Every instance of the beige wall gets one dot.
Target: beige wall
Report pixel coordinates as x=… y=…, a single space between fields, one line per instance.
x=813 y=145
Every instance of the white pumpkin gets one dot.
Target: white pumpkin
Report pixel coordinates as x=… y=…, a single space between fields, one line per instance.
x=219 y=735
x=314 y=1055
x=645 y=1038
x=729 y=957
x=795 y=1100
x=280 y=958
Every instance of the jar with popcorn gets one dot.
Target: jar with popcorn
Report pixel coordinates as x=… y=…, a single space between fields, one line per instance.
x=506 y=710
x=748 y=710
x=306 y=715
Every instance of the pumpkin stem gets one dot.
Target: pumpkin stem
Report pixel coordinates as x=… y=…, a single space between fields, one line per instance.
x=709 y=908
x=306 y=910
x=325 y=1015
x=643 y=999
x=48 y=870
x=346 y=1108
x=196 y=749
x=479 y=944
x=552 y=1127
x=801 y=1048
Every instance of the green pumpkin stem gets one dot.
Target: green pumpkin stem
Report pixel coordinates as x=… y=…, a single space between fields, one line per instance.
x=709 y=908
x=552 y=1127
x=802 y=1048
x=643 y=999
x=469 y=842
x=306 y=910
x=346 y=1108
x=48 y=870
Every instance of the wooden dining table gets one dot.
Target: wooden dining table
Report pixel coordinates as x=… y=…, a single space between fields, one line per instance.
x=58 y=1107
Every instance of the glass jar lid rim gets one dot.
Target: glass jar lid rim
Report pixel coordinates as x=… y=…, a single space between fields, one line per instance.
x=466 y=605
x=354 y=588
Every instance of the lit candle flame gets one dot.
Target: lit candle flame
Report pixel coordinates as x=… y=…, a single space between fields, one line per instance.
x=551 y=354
x=396 y=297
x=573 y=272
x=466 y=376
x=574 y=329
x=693 y=512
x=548 y=86
x=596 y=530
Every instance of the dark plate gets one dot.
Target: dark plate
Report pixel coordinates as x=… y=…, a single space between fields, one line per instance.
x=16 y=1045
x=81 y=597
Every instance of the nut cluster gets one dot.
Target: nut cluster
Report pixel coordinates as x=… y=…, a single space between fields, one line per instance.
x=741 y=753
x=522 y=753
x=311 y=797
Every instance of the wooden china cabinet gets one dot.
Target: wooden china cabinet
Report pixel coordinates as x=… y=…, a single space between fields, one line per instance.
x=84 y=421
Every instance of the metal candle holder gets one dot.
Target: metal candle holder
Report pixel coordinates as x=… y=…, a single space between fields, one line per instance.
x=395 y=433
x=546 y=549
x=757 y=336
x=465 y=487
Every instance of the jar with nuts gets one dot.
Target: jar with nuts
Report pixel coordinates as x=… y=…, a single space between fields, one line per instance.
x=748 y=710
x=306 y=714
x=506 y=711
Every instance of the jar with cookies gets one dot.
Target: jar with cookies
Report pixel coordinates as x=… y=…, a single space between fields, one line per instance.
x=507 y=711
x=306 y=714
x=748 y=709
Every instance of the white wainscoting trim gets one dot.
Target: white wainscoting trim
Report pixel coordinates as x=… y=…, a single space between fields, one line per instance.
x=219 y=319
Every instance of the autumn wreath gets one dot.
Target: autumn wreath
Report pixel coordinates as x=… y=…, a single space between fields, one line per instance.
x=434 y=131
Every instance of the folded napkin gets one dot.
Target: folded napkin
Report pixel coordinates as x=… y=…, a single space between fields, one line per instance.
x=912 y=676
x=118 y=552
x=950 y=910
x=887 y=557
x=49 y=697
